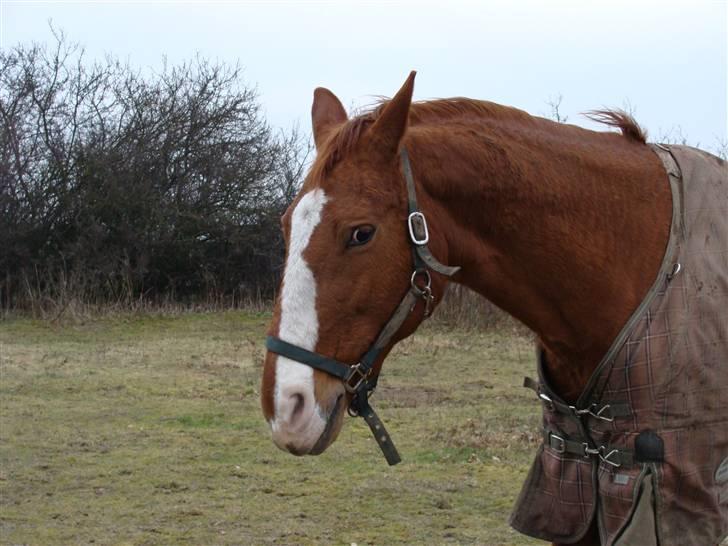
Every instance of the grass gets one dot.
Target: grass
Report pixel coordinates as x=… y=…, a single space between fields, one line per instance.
x=147 y=430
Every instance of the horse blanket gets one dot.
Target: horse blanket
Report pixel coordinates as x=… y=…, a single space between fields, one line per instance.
x=645 y=448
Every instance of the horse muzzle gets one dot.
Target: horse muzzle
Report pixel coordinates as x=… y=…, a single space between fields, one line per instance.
x=303 y=427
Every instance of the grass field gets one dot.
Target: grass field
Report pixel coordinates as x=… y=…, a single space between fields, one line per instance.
x=147 y=430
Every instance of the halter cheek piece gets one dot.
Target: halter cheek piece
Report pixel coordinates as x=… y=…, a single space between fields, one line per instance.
x=358 y=379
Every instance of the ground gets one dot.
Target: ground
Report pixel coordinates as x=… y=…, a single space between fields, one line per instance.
x=147 y=430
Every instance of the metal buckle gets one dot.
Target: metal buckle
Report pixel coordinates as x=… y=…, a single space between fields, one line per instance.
x=355 y=370
x=561 y=447
x=417 y=224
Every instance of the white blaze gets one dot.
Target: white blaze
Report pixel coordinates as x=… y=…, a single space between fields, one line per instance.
x=299 y=320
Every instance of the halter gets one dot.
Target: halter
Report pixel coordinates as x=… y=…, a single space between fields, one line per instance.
x=358 y=379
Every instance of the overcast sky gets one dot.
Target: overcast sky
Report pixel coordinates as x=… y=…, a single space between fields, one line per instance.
x=667 y=60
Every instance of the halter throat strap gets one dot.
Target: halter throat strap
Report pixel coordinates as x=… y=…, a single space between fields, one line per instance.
x=359 y=379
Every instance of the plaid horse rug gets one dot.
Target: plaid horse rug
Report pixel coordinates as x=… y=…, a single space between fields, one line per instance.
x=645 y=448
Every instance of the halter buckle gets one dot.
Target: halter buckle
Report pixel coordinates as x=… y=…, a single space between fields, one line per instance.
x=417 y=224
x=359 y=375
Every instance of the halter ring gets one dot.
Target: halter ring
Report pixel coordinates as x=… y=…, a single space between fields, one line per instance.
x=428 y=281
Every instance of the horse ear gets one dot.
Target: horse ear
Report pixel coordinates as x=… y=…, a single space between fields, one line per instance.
x=391 y=124
x=326 y=113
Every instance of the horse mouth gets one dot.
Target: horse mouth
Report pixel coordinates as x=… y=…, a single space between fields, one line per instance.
x=332 y=428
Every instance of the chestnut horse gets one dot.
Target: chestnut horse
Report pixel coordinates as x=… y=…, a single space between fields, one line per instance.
x=562 y=227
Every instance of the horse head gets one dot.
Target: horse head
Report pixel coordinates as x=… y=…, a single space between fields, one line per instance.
x=348 y=264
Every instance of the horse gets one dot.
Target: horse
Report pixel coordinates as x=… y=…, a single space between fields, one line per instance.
x=564 y=228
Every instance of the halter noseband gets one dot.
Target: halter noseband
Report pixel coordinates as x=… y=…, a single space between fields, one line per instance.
x=358 y=380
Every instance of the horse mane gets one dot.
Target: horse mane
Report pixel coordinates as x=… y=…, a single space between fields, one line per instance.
x=460 y=106
x=621 y=120
x=342 y=141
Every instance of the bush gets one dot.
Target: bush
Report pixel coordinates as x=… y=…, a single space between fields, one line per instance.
x=118 y=186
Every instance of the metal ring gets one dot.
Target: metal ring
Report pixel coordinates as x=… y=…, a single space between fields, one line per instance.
x=428 y=282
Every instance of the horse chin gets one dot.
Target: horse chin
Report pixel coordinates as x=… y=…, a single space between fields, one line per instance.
x=333 y=427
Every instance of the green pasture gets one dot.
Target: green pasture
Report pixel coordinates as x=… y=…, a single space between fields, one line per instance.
x=147 y=430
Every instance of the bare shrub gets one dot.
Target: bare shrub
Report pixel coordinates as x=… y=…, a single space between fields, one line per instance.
x=118 y=187
x=462 y=307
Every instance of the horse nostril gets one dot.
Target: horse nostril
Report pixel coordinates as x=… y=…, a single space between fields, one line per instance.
x=294 y=408
x=298 y=404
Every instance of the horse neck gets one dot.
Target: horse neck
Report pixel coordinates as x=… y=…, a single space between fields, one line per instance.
x=561 y=227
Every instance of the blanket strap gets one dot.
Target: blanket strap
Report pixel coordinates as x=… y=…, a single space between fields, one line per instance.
x=610 y=455
x=608 y=411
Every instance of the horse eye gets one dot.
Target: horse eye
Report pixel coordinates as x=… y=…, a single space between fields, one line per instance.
x=361 y=235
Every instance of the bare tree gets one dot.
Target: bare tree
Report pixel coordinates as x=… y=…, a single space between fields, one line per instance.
x=554 y=104
x=116 y=186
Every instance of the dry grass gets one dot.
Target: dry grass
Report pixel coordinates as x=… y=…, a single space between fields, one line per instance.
x=146 y=429
x=66 y=301
x=463 y=308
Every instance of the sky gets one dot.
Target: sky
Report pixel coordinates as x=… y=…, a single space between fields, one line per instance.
x=665 y=61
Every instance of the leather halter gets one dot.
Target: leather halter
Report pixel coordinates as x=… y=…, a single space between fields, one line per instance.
x=358 y=379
